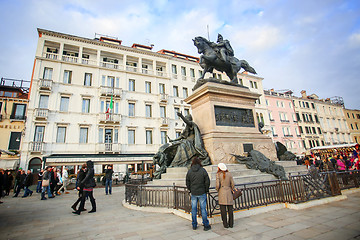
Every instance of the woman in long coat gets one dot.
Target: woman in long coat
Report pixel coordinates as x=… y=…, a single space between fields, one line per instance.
x=224 y=186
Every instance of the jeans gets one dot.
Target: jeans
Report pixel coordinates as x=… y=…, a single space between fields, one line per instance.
x=194 y=202
x=48 y=191
x=38 y=187
x=27 y=192
x=108 y=184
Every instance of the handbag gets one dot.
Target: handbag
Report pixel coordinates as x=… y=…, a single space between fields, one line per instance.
x=45 y=183
x=236 y=193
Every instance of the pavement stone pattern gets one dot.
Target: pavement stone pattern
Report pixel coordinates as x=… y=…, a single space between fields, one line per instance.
x=30 y=218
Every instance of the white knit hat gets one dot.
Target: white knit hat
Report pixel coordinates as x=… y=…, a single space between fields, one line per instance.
x=222 y=166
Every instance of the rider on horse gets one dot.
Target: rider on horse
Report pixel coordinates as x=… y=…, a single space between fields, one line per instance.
x=223 y=47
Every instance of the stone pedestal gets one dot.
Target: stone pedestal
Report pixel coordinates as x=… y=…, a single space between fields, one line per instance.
x=225 y=115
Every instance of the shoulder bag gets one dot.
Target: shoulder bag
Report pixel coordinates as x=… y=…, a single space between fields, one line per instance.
x=236 y=193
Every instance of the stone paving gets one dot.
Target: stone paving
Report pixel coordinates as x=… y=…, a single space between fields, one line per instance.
x=30 y=218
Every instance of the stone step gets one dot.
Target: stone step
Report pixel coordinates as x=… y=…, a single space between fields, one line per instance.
x=238 y=173
x=176 y=169
x=293 y=169
x=231 y=167
x=286 y=163
x=174 y=175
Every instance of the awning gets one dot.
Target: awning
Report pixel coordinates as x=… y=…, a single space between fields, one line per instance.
x=334 y=146
x=9 y=164
x=97 y=159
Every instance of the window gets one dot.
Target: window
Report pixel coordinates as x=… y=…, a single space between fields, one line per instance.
x=312 y=105
x=200 y=73
x=174 y=69
x=87 y=79
x=85 y=105
x=60 y=137
x=251 y=84
x=43 y=101
x=301 y=129
x=161 y=88
x=255 y=85
x=177 y=134
x=163 y=135
x=48 y=73
x=176 y=91
x=186 y=112
x=183 y=71
x=192 y=73
x=64 y=104
x=14 y=142
x=307 y=105
x=131 y=109
x=101 y=135
x=148 y=113
x=163 y=111
x=316 y=118
x=176 y=109
x=319 y=130
x=83 y=135
x=185 y=92
x=313 y=130
x=149 y=137
x=131 y=85
x=110 y=81
x=39 y=133
x=116 y=135
x=131 y=136
x=148 y=87
x=290 y=105
x=18 y=111
x=67 y=76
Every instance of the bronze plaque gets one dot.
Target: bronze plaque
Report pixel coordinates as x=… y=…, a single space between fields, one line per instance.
x=234 y=117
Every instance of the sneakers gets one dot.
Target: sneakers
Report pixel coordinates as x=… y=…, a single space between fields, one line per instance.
x=207 y=228
x=92 y=211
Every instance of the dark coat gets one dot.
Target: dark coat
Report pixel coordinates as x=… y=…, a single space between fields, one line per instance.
x=109 y=173
x=89 y=181
x=28 y=180
x=81 y=175
x=18 y=176
x=197 y=180
x=22 y=180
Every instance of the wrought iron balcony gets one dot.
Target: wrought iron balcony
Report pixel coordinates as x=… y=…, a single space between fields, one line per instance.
x=45 y=84
x=110 y=91
x=110 y=117
x=36 y=147
x=164 y=97
x=41 y=113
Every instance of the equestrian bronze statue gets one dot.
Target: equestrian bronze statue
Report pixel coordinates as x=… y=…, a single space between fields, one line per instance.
x=220 y=56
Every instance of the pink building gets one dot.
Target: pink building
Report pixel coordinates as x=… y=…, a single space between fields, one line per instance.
x=283 y=120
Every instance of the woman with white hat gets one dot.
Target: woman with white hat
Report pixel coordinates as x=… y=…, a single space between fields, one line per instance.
x=224 y=186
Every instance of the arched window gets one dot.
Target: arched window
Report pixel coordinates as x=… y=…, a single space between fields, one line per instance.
x=35 y=165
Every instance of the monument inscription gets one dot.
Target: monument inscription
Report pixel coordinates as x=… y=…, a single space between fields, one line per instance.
x=234 y=117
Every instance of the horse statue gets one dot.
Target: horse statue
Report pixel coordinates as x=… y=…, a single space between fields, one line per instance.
x=211 y=58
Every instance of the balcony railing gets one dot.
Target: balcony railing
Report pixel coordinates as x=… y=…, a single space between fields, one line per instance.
x=110 y=117
x=131 y=69
x=51 y=55
x=88 y=61
x=110 y=65
x=164 y=121
x=36 y=146
x=183 y=78
x=147 y=71
x=110 y=91
x=70 y=59
x=45 y=84
x=192 y=79
x=164 y=97
x=161 y=74
x=41 y=113
x=17 y=117
x=108 y=147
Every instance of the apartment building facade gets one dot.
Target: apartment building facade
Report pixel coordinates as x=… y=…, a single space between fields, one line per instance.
x=352 y=117
x=283 y=121
x=13 y=105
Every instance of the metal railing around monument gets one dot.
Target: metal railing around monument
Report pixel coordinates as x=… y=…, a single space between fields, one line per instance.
x=299 y=188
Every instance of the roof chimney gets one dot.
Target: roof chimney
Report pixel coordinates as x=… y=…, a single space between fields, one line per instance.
x=303 y=94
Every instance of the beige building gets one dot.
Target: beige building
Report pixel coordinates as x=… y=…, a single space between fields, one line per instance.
x=308 y=121
x=352 y=117
x=95 y=99
x=13 y=104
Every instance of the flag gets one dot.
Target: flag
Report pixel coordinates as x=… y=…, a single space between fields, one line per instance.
x=111 y=106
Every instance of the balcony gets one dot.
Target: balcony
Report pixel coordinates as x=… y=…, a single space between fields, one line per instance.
x=17 y=117
x=36 y=147
x=110 y=91
x=88 y=62
x=161 y=74
x=183 y=78
x=108 y=147
x=110 y=118
x=41 y=113
x=131 y=68
x=147 y=71
x=164 y=97
x=192 y=79
x=53 y=56
x=164 y=121
x=71 y=59
x=110 y=65
x=45 y=84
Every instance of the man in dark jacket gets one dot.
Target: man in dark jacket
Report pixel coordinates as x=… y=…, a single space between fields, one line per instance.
x=198 y=183
x=20 y=184
x=81 y=175
x=17 y=179
x=27 y=183
x=88 y=184
x=108 y=179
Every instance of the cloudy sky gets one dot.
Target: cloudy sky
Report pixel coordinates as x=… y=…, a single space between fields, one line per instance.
x=299 y=45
